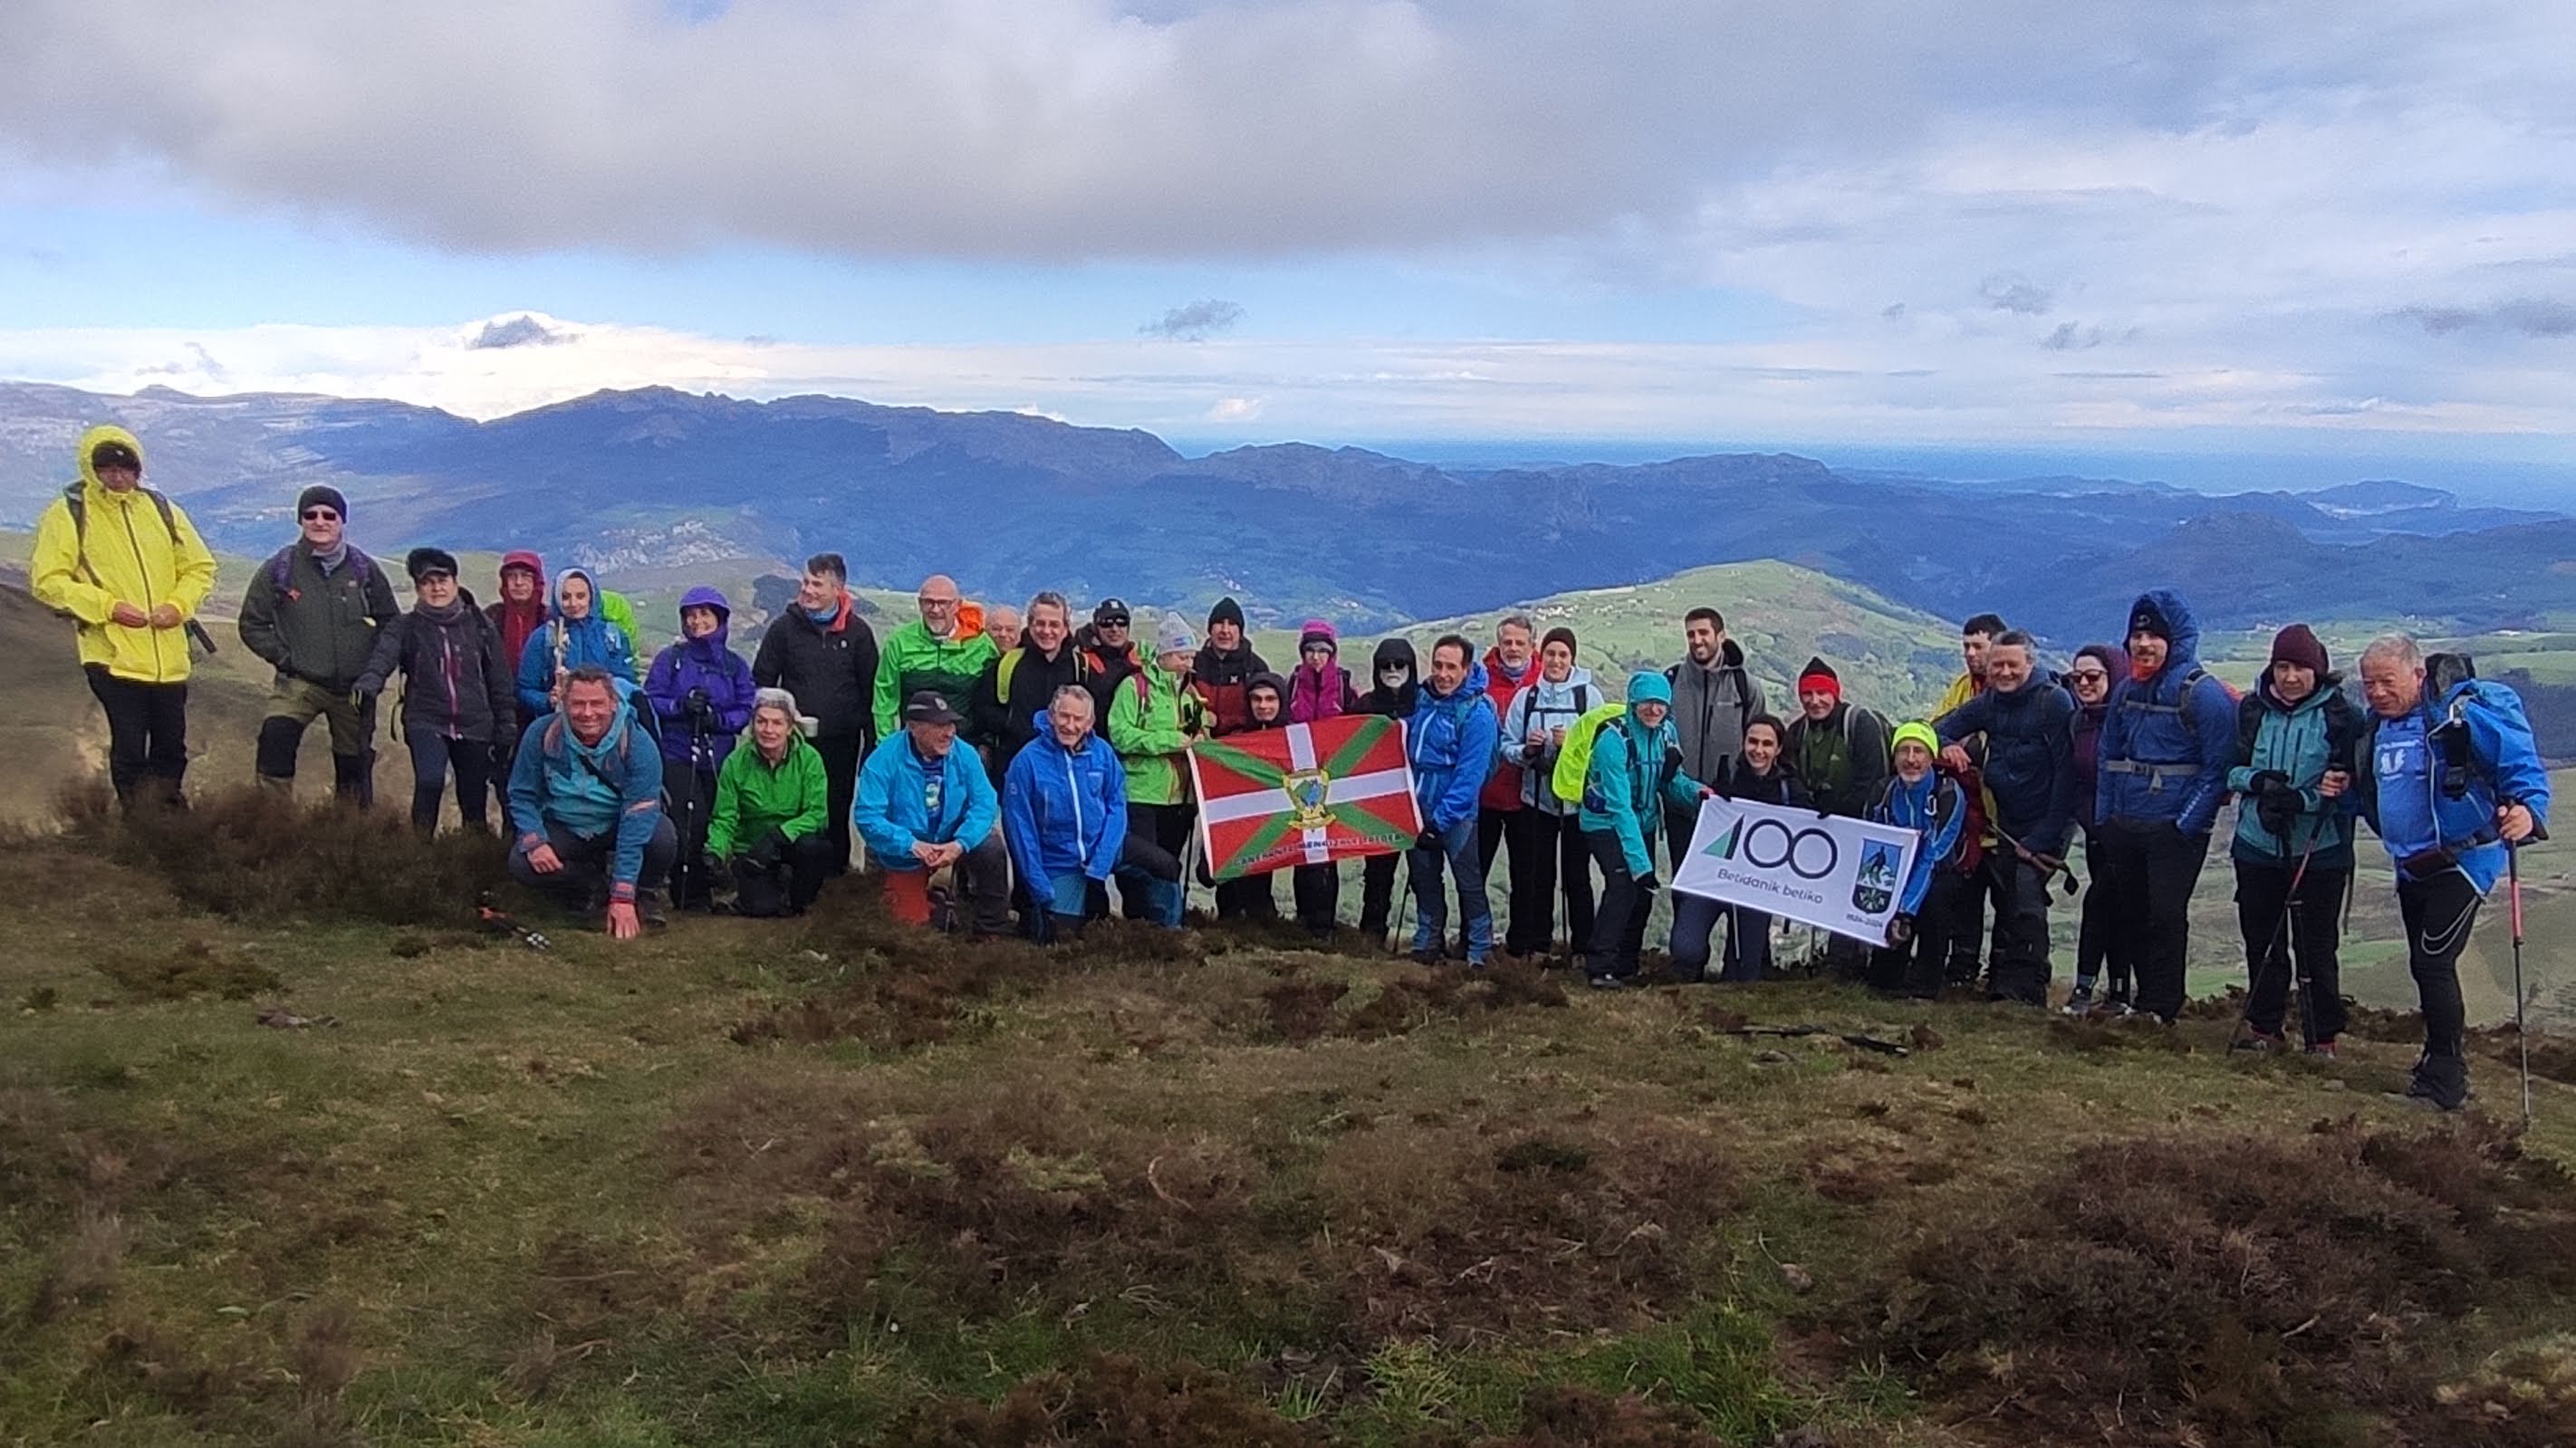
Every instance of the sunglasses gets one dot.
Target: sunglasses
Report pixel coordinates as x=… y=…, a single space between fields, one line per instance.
x=1113 y=623
x=319 y=515
x=2086 y=676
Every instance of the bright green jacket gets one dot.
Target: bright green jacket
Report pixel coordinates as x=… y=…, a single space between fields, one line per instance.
x=614 y=608
x=912 y=661
x=754 y=797
x=1150 y=722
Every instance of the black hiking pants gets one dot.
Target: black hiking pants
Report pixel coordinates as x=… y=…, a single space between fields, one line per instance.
x=147 y=733
x=2152 y=868
x=1555 y=855
x=1916 y=968
x=2291 y=934
x=2439 y=912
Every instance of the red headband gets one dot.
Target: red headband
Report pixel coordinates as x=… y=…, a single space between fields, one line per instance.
x=1821 y=683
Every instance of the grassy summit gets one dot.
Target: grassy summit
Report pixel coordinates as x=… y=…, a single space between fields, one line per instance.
x=835 y=1183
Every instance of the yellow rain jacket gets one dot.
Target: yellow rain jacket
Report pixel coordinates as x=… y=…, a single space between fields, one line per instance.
x=123 y=553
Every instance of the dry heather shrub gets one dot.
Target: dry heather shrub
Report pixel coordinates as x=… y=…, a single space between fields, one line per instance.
x=250 y=853
x=2243 y=1290
x=1014 y=1191
x=1417 y=999
x=148 y=972
x=1453 y=1230
x=1575 y=1417
x=1106 y=1402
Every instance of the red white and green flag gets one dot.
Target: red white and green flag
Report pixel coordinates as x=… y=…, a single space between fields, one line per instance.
x=1308 y=794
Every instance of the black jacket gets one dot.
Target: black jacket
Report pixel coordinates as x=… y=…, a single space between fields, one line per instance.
x=830 y=668
x=1005 y=720
x=2030 y=759
x=1779 y=787
x=455 y=681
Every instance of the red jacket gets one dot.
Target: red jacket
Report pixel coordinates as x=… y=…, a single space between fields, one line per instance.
x=1503 y=788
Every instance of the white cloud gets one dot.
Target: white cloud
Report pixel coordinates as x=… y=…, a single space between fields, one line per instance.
x=1087 y=128
x=1802 y=389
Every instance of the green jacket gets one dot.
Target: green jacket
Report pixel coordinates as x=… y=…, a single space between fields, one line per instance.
x=318 y=628
x=754 y=797
x=614 y=608
x=1151 y=719
x=912 y=661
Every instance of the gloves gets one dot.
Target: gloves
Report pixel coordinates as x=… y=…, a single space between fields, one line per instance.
x=503 y=751
x=1648 y=883
x=1428 y=840
x=700 y=706
x=712 y=866
x=1900 y=931
x=768 y=849
x=2276 y=804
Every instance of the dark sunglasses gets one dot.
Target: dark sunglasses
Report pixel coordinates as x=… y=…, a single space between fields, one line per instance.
x=1113 y=622
x=2088 y=674
x=323 y=514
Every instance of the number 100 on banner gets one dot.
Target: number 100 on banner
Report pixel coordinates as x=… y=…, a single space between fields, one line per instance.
x=1836 y=874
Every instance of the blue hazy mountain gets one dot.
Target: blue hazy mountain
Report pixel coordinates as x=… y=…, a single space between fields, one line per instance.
x=655 y=477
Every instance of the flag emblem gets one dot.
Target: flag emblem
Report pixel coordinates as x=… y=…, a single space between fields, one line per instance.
x=1308 y=794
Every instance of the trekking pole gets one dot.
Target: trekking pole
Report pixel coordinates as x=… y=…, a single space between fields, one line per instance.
x=2513 y=912
x=2064 y=875
x=692 y=843
x=2278 y=941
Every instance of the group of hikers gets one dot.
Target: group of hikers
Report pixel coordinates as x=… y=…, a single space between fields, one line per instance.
x=1004 y=768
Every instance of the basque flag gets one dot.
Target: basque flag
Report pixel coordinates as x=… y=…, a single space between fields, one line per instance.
x=1307 y=794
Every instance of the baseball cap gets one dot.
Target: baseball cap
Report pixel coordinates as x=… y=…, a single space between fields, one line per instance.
x=1112 y=610
x=929 y=706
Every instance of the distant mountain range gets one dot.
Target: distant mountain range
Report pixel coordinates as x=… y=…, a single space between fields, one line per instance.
x=661 y=479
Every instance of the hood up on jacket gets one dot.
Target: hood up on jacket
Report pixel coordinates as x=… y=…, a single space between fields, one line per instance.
x=2174 y=619
x=710 y=649
x=97 y=437
x=1397 y=702
x=1278 y=688
x=554 y=600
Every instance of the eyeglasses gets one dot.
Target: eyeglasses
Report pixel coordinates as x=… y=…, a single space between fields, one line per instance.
x=2089 y=676
x=320 y=515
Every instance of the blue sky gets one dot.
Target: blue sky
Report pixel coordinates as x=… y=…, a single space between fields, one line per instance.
x=2196 y=237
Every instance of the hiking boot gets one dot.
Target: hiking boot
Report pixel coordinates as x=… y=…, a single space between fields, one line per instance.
x=1424 y=956
x=2079 y=1001
x=648 y=909
x=2257 y=1040
x=2323 y=1050
x=1609 y=982
x=2441 y=1082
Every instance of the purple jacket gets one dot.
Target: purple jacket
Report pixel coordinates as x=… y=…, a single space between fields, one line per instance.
x=701 y=664
x=2087 y=729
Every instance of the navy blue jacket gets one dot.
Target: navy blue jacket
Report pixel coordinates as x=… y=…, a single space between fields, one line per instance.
x=2030 y=759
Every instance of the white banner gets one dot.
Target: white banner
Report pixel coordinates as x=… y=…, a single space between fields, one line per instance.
x=1838 y=874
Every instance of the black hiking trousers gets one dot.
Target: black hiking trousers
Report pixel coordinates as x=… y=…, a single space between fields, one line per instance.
x=2290 y=934
x=2151 y=869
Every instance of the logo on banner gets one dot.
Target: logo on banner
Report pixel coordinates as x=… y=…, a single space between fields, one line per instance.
x=1874 y=890
x=1769 y=844
x=1310 y=793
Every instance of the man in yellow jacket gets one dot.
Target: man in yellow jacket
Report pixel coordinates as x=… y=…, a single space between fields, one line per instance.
x=126 y=565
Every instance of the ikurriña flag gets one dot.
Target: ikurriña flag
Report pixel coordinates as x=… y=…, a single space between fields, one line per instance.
x=1307 y=794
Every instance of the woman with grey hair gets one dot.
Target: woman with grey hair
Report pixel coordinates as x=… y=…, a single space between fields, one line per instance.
x=773 y=803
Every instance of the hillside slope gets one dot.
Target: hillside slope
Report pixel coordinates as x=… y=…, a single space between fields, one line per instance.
x=785 y=1185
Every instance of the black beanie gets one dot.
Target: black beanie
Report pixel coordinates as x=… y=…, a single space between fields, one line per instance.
x=1226 y=611
x=322 y=493
x=2146 y=618
x=429 y=560
x=1558 y=635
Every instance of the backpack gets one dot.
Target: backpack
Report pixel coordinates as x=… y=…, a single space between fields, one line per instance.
x=1574 y=759
x=282 y=563
x=1010 y=667
x=75 y=503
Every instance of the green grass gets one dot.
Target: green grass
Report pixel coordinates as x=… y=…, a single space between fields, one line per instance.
x=534 y=1199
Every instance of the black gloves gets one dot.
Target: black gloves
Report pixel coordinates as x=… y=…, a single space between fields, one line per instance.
x=1429 y=839
x=768 y=849
x=1648 y=883
x=2276 y=804
x=700 y=706
x=1900 y=930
